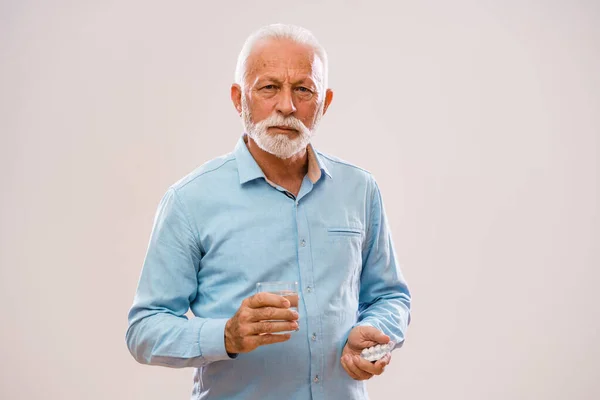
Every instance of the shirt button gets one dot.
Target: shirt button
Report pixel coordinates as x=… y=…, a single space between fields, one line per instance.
x=309 y=289
x=314 y=336
x=303 y=243
x=316 y=380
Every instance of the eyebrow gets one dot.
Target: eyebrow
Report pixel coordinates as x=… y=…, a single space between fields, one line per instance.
x=306 y=81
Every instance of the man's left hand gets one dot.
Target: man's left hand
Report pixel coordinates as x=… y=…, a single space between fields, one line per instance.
x=357 y=367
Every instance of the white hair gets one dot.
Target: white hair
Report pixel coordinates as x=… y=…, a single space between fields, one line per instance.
x=280 y=31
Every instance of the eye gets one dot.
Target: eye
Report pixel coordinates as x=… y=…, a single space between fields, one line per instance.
x=303 y=89
x=269 y=87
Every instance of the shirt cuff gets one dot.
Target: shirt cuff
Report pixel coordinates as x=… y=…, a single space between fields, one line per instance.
x=372 y=322
x=212 y=340
x=366 y=322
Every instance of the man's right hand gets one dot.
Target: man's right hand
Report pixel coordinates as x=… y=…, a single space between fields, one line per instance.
x=250 y=326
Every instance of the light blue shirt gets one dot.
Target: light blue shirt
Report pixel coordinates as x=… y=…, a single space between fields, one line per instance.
x=222 y=229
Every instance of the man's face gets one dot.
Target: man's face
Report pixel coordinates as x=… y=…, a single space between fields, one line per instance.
x=283 y=99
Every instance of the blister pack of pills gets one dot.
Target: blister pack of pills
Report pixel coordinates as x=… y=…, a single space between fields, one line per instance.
x=377 y=352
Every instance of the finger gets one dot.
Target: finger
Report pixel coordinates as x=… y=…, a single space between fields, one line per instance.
x=267 y=339
x=344 y=361
x=293 y=298
x=266 y=299
x=270 y=313
x=362 y=375
x=384 y=361
x=367 y=366
x=258 y=328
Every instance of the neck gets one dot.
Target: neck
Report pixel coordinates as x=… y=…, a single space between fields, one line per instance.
x=287 y=173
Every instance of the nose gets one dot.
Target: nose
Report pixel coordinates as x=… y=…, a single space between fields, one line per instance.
x=285 y=102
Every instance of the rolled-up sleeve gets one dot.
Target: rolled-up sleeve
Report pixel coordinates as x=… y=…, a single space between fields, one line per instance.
x=159 y=333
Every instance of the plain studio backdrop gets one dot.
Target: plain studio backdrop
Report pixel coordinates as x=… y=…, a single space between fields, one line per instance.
x=479 y=119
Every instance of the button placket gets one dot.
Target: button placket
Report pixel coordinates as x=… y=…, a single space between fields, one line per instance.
x=312 y=308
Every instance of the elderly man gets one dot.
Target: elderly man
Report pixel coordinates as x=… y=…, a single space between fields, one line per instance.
x=274 y=209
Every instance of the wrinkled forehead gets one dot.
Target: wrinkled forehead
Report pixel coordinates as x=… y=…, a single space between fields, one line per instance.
x=285 y=58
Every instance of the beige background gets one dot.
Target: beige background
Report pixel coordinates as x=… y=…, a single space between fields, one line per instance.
x=479 y=119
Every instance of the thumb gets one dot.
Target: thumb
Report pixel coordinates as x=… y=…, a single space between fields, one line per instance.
x=375 y=335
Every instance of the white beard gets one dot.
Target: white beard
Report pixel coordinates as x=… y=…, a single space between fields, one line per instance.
x=280 y=145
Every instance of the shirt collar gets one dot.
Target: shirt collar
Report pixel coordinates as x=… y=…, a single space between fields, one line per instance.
x=248 y=169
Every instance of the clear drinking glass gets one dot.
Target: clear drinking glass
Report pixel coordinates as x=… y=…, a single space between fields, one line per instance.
x=289 y=290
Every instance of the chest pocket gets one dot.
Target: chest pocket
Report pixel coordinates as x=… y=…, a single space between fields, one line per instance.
x=342 y=258
x=345 y=248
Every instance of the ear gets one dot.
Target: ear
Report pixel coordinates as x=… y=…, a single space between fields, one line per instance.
x=236 y=97
x=328 y=98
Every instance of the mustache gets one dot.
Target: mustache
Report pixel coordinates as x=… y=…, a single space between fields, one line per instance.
x=279 y=120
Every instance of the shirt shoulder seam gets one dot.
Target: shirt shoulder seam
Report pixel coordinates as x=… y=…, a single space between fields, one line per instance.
x=184 y=184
